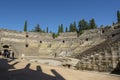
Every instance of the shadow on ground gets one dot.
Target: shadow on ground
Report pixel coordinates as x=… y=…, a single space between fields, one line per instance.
x=6 y=72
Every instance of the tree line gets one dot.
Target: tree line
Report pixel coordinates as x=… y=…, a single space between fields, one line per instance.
x=73 y=27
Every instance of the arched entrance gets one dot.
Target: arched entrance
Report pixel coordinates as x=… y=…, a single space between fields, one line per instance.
x=7 y=50
x=5 y=46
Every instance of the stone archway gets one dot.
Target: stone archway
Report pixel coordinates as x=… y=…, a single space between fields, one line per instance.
x=7 y=48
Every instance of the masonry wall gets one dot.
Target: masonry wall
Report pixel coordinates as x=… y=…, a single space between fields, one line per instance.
x=97 y=49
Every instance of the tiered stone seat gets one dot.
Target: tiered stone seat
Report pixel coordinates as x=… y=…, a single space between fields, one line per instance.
x=44 y=45
x=55 y=45
x=74 y=45
x=87 y=44
x=64 y=45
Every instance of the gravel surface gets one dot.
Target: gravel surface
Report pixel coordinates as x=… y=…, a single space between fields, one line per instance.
x=28 y=70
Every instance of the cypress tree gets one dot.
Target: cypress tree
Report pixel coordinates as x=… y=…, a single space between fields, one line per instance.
x=25 y=26
x=118 y=16
x=66 y=30
x=74 y=27
x=58 y=29
x=62 y=30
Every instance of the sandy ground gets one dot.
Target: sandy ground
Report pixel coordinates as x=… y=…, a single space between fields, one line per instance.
x=26 y=70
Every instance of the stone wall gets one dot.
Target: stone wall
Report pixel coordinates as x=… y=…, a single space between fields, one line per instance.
x=102 y=43
x=19 y=40
x=104 y=56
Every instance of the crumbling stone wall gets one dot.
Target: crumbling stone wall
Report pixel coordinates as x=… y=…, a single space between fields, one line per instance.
x=104 y=56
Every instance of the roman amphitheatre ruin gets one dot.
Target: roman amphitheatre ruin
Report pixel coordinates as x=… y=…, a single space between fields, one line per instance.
x=94 y=55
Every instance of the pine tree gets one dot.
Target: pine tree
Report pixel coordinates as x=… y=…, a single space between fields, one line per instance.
x=25 y=26
x=37 y=28
x=66 y=30
x=83 y=25
x=60 y=29
x=92 y=24
x=71 y=27
x=118 y=16
x=74 y=27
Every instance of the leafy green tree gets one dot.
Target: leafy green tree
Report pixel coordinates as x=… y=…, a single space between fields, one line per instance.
x=25 y=26
x=72 y=27
x=83 y=25
x=118 y=16
x=54 y=35
x=92 y=24
x=37 y=28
